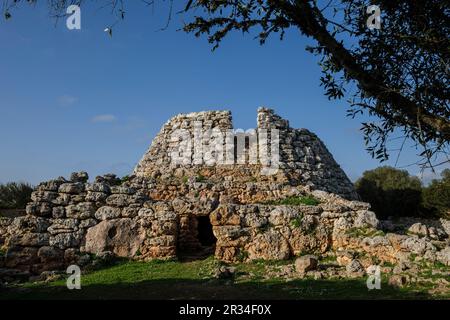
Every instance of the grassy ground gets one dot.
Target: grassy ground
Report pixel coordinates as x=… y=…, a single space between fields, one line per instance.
x=193 y=280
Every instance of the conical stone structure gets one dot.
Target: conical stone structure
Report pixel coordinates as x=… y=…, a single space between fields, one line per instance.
x=303 y=158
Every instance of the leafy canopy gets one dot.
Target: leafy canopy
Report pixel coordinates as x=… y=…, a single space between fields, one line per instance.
x=15 y=195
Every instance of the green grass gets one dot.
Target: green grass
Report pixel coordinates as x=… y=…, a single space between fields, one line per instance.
x=328 y=260
x=388 y=264
x=194 y=280
x=295 y=201
x=297 y=222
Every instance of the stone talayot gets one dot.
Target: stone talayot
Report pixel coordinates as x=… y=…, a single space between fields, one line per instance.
x=164 y=212
x=304 y=158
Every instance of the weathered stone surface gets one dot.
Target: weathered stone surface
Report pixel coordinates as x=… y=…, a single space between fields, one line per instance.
x=130 y=212
x=119 y=200
x=96 y=196
x=344 y=257
x=63 y=199
x=146 y=212
x=366 y=219
x=63 y=226
x=44 y=196
x=51 y=185
x=419 y=229
x=41 y=209
x=398 y=281
x=123 y=237
x=87 y=223
x=224 y=273
x=4 y=224
x=82 y=210
x=58 y=212
x=71 y=188
x=416 y=245
x=28 y=224
x=443 y=256
x=107 y=213
x=98 y=187
x=355 y=267
x=269 y=246
x=226 y=215
x=74 y=256
x=163 y=241
x=82 y=177
x=66 y=240
x=122 y=190
x=283 y=216
x=254 y=220
x=28 y=240
x=306 y=263
x=358 y=205
x=51 y=257
x=21 y=258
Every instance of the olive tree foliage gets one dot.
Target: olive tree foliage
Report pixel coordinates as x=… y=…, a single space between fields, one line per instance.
x=391 y=192
x=436 y=196
x=15 y=195
x=397 y=76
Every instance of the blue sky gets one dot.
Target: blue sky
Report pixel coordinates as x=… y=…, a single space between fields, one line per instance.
x=80 y=100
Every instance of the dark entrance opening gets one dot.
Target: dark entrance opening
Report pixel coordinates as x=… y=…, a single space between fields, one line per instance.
x=196 y=240
x=205 y=232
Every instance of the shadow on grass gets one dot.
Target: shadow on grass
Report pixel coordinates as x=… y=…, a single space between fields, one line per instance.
x=188 y=289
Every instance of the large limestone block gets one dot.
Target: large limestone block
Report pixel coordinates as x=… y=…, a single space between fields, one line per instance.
x=123 y=237
x=269 y=246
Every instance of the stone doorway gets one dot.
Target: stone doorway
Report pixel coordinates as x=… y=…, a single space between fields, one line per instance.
x=205 y=232
x=196 y=239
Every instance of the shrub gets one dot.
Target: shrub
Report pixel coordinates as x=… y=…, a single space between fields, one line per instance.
x=391 y=192
x=15 y=195
x=436 y=197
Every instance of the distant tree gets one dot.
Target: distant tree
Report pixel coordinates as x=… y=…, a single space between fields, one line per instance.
x=398 y=75
x=15 y=195
x=437 y=195
x=391 y=192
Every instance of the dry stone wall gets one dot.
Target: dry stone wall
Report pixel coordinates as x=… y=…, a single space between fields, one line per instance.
x=155 y=213
x=69 y=219
x=304 y=158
